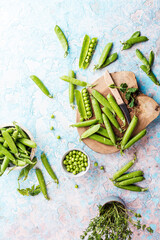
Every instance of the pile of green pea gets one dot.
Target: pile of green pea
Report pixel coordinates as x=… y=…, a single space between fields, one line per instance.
x=75 y=162
x=91 y=48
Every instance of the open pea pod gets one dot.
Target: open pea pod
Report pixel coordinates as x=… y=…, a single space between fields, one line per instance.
x=80 y=105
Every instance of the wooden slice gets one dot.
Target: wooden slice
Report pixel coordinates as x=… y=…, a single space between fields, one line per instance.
x=146 y=110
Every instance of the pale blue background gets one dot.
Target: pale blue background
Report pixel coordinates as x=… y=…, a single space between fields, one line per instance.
x=28 y=45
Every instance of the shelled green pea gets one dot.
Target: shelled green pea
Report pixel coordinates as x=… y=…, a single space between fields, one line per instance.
x=87 y=102
x=75 y=162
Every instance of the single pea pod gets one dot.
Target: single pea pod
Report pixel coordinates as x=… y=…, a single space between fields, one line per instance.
x=48 y=168
x=5 y=152
x=21 y=147
x=131 y=181
x=5 y=144
x=97 y=110
x=151 y=58
x=116 y=108
x=101 y=139
x=42 y=183
x=124 y=169
x=71 y=89
x=19 y=129
x=87 y=103
x=112 y=118
x=150 y=75
x=104 y=55
x=27 y=142
x=90 y=52
x=143 y=59
x=4 y=165
x=103 y=131
x=136 y=40
x=102 y=100
x=85 y=123
x=41 y=86
x=84 y=50
x=133 y=188
x=90 y=131
x=62 y=39
x=109 y=129
x=126 y=45
x=112 y=58
x=75 y=81
x=80 y=105
x=129 y=131
x=10 y=142
x=15 y=135
x=129 y=176
x=135 y=139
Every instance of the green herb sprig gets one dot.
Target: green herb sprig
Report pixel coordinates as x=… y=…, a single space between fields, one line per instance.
x=33 y=191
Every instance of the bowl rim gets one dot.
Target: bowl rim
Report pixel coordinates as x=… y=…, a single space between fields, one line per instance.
x=112 y=198
x=33 y=151
x=71 y=174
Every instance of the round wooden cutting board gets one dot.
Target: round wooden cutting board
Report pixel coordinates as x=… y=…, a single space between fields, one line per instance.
x=146 y=109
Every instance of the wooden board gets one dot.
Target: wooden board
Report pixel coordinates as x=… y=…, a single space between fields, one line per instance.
x=146 y=110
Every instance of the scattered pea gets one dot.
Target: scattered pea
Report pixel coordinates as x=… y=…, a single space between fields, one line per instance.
x=95 y=164
x=51 y=128
x=58 y=137
x=102 y=168
x=52 y=116
x=76 y=186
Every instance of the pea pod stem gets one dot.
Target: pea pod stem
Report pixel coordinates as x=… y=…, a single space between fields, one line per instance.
x=90 y=131
x=42 y=183
x=62 y=39
x=71 y=89
x=41 y=86
x=85 y=123
x=75 y=81
x=111 y=118
x=109 y=129
x=48 y=168
x=150 y=75
x=132 y=187
x=135 y=139
x=101 y=139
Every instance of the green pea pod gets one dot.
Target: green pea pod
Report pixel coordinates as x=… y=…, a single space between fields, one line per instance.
x=143 y=59
x=137 y=40
x=19 y=129
x=131 y=181
x=102 y=100
x=101 y=139
x=151 y=58
x=124 y=169
x=71 y=89
x=129 y=176
x=85 y=123
x=5 y=152
x=84 y=50
x=5 y=144
x=135 y=139
x=41 y=86
x=4 y=165
x=150 y=75
x=80 y=104
x=133 y=188
x=42 y=183
x=136 y=34
x=90 y=53
x=111 y=118
x=90 y=131
x=112 y=58
x=104 y=55
x=10 y=142
x=22 y=147
x=109 y=129
x=86 y=102
x=129 y=131
x=116 y=108
x=48 y=168
x=75 y=81
x=15 y=135
x=62 y=39
x=127 y=46
x=10 y=130
x=103 y=131
x=28 y=142
x=97 y=110
x=24 y=160
x=2 y=140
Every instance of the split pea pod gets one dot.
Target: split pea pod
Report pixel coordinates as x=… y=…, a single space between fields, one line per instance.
x=101 y=139
x=104 y=55
x=48 y=168
x=10 y=142
x=124 y=169
x=112 y=58
x=5 y=152
x=90 y=131
x=150 y=75
x=85 y=123
x=92 y=46
x=4 y=165
x=151 y=58
x=86 y=102
x=133 y=188
x=111 y=118
x=42 y=183
x=75 y=81
x=28 y=142
x=109 y=129
x=102 y=100
x=129 y=131
x=143 y=59
x=116 y=108
x=80 y=105
x=135 y=139
x=84 y=50
x=71 y=89
x=129 y=176
x=62 y=39
x=131 y=181
x=41 y=86
x=103 y=131
x=97 y=110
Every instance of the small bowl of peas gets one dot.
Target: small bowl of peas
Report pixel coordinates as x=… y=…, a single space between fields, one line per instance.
x=75 y=162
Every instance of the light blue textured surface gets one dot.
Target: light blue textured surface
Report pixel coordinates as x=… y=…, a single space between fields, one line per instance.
x=28 y=45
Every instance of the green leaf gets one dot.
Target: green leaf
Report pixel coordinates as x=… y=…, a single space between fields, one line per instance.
x=123 y=87
x=132 y=90
x=149 y=229
x=24 y=192
x=25 y=171
x=33 y=191
x=128 y=95
x=131 y=104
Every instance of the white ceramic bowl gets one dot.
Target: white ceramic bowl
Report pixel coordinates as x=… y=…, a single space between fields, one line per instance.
x=69 y=173
x=27 y=132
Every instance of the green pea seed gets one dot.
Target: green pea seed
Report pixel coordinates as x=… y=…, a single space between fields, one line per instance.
x=91 y=45
x=83 y=169
x=85 y=98
x=88 y=109
x=95 y=164
x=88 y=57
x=102 y=168
x=76 y=186
x=93 y=41
x=86 y=101
x=70 y=162
x=89 y=54
x=90 y=49
x=74 y=152
x=86 y=60
x=52 y=116
x=88 y=113
x=86 y=164
x=65 y=162
x=51 y=128
x=74 y=172
x=84 y=94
